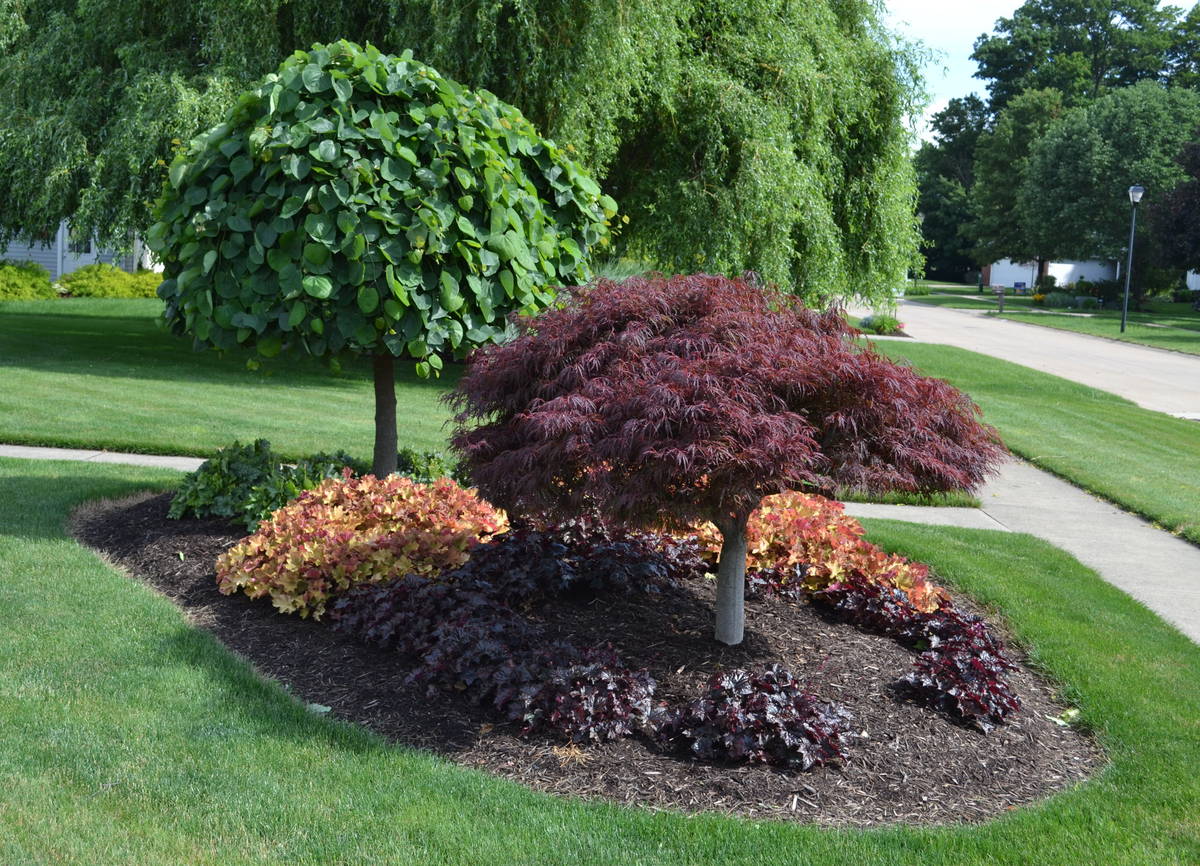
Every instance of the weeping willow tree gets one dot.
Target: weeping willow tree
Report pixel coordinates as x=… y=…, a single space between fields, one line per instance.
x=760 y=135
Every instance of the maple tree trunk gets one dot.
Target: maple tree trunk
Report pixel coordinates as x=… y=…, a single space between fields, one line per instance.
x=731 y=581
x=384 y=462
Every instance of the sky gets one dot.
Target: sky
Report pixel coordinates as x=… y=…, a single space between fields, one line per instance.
x=949 y=28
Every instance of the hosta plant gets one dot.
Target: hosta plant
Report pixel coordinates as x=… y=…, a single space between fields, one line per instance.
x=356 y=530
x=246 y=483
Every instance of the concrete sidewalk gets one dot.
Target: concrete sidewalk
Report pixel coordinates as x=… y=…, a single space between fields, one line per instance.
x=1153 y=378
x=183 y=464
x=1151 y=565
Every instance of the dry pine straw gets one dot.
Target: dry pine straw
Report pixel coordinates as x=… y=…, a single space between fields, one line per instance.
x=907 y=764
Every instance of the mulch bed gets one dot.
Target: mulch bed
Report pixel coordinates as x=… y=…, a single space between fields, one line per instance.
x=908 y=764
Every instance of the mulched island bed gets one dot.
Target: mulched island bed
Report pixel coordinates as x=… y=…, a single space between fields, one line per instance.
x=907 y=764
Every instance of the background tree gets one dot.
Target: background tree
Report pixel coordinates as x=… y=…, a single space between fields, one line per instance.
x=686 y=399
x=358 y=202
x=1183 y=57
x=1075 y=189
x=1001 y=225
x=736 y=134
x=1081 y=48
x=1174 y=218
x=945 y=177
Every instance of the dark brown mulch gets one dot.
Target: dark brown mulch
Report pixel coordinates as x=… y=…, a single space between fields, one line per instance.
x=908 y=763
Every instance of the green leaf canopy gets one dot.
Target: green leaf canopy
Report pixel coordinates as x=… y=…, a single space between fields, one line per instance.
x=361 y=202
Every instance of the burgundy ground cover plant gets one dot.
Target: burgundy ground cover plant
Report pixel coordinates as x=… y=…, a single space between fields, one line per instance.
x=468 y=630
x=676 y=400
x=760 y=717
x=963 y=664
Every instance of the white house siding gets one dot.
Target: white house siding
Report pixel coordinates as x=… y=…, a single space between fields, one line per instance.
x=1193 y=281
x=1066 y=273
x=56 y=256
x=45 y=254
x=1008 y=273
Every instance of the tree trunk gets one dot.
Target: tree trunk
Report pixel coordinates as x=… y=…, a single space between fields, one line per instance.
x=731 y=580
x=384 y=462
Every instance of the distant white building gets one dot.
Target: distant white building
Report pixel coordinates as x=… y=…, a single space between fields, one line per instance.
x=63 y=252
x=1008 y=273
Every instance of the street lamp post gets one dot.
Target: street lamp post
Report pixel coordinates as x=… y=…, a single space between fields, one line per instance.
x=1135 y=196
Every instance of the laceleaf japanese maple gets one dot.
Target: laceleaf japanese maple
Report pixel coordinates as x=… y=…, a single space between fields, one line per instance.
x=667 y=401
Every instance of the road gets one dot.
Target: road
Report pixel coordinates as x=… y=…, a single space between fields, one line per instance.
x=1153 y=378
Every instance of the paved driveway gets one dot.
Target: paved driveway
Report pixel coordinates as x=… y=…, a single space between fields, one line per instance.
x=1153 y=378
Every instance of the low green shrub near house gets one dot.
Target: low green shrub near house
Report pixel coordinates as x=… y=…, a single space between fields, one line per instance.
x=24 y=281
x=247 y=483
x=107 y=281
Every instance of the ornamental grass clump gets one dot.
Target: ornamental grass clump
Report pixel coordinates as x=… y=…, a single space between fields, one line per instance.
x=349 y=531
x=679 y=400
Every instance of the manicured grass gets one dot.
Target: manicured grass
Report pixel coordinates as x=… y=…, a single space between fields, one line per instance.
x=1176 y=333
x=128 y=736
x=972 y=301
x=102 y=374
x=1145 y=461
x=1163 y=325
x=953 y=499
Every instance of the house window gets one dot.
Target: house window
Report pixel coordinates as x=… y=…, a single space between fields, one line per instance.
x=79 y=245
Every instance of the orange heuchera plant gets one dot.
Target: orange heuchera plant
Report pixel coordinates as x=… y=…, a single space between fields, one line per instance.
x=350 y=531
x=792 y=529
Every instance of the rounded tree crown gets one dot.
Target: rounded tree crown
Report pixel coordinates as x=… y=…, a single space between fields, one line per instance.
x=356 y=201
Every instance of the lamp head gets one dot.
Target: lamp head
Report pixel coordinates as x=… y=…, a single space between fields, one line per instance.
x=1135 y=194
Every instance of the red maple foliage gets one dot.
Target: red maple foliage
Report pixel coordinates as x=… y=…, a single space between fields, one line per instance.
x=672 y=400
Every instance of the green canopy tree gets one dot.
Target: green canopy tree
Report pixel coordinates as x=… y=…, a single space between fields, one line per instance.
x=1001 y=227
x=736 y=135
x=1080 y=48
x=945 y=177
x=1174 y=219
x=356 y=202
x=1079 y=172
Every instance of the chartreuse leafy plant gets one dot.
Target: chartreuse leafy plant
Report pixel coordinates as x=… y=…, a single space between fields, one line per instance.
x=686 y=399
x=22 y=281
x=103 y=280
x=362 y=203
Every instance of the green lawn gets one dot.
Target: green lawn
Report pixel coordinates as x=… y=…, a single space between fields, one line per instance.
x=102 y=374
x=1181 y=334
x=1163 y=325
x=971 y=301
x=128 y=736
x=1146 y=461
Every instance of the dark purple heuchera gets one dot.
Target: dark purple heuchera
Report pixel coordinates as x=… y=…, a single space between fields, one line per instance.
x=962 y=671
x=689 y=398
x=593 y=698
x=762 y=717
x=463 y=631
